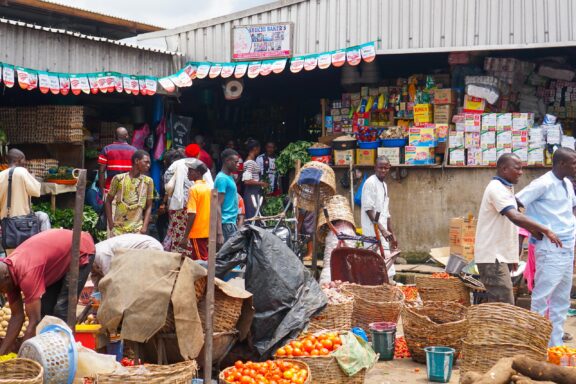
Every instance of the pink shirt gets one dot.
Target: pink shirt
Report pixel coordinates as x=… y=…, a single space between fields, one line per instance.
x=42 y=260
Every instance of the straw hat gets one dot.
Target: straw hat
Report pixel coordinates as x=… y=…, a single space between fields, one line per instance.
x=305 y=194
x=338 y=208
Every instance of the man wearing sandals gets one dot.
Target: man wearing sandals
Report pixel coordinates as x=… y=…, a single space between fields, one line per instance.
x=496 y=248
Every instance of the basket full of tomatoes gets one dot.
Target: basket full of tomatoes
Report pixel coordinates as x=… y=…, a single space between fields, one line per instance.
x=283 y=371
x=316 y=351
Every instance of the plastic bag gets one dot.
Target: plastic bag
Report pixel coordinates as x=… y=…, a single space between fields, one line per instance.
x=355 y=354
x=90 y=364
x=358 y=194
x=286 y=295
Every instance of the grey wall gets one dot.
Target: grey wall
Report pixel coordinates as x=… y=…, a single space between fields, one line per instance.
x=422 y=203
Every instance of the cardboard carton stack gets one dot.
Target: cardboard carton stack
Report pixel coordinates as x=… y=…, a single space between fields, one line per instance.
x=462 y=236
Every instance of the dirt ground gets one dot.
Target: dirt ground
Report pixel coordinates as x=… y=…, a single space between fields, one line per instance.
x=407 y=371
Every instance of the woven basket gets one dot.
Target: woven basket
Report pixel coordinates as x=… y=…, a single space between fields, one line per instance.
x=179 y=373
x=301 y=365
x=227 y=311
x=379 y=303
x=438 y=289
x=306 y=194
x=325 y=370
x=495 y=323
x=222 y=342
x=481 y=357
x=338 y=208
x=68 y=135
x=21 y=371
x=435 y=323
x=337 y=317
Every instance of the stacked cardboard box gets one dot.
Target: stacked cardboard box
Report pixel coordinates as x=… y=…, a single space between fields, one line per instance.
x=462 y=236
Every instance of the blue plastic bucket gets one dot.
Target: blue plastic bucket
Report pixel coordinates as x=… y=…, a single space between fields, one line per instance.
x=439 y=362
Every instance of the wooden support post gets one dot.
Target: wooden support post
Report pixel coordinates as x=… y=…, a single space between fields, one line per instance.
x=74 y=262
x=208 y=341
x=53 y=203
x=352 y=186
x=314 y=239
x=323 y=109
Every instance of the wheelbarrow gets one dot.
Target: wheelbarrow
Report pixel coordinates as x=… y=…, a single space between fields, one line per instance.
x=358 y=265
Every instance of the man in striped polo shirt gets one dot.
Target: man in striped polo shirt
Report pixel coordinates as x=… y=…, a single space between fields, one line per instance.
x=114 y=159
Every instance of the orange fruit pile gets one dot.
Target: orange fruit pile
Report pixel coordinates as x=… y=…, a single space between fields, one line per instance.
x=268 y=372
x=321 y=345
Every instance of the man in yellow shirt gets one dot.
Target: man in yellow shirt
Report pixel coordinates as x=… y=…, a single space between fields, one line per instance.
x=198 y=225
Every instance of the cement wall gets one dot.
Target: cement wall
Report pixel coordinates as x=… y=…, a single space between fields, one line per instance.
x=422 y=203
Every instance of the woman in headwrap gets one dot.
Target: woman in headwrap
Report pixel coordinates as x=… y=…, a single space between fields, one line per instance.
x=177 y=187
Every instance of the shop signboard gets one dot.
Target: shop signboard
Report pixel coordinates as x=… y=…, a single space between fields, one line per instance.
x=262 y=41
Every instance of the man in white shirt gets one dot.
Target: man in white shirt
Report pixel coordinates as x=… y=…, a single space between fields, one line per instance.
x=550 y=200
x=24 y=187
x=375 y=200
x=496 y=248
x=106 y=249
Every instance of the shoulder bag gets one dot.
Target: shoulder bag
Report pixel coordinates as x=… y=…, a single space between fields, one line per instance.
x=17 y=229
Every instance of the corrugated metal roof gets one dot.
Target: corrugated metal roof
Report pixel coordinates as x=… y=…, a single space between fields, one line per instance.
x=406 y=26
x=59 y=50
x=82 y=36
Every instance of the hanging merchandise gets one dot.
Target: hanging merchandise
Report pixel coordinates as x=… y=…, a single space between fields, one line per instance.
x=75 y=85
x=110 y=82
x=43 y=82
x=1 y=72
x=151 y=86
x=134 y=85
x=55 y=83
x=310 y=62
x=353 y=56
x=33 y=80
x=324 y=60
x=266 y=67
x=84 y=84
x=142 y=85
x=215 y=70
x=161 y=139
x=338 y=58
x=203 y=70
x=296 y=64
x=167 y=84
x=102 y=87
x=64 y=83
x=227 y=70
x=118 y=83
x=254 y=69
x=368 y=52
x=127 y=84
x=8 y=75
x=140 y=135
x=279 y=65
x=240 y=70
x=92 y=80
x=23 y=77
x=191 y=70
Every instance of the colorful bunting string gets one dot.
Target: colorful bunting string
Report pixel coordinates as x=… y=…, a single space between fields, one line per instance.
x=109 y=82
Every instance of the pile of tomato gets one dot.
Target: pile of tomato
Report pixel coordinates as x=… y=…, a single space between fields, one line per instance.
x=401 y=349
x=441 y=275
x=309 y=346
x=268 y=372
x=410 y=292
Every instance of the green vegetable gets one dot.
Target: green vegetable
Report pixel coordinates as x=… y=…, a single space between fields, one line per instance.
x=294 y=151
x=273 y=205
x=64 y=218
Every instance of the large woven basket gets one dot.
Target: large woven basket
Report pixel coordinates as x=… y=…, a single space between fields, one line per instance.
x=325 y=370
x=435 y=323
x=21 y=371
x=439 y=289
x=222 y=343
x=495 y=323
x=305 y=194
x=338 y=208
x=374 y=303
x=227 y=311
x=337 y=317
x=179 y=373
x=301 y=365
x=481 y=357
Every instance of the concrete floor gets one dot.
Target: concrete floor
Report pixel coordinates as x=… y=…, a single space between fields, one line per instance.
x=407 y=371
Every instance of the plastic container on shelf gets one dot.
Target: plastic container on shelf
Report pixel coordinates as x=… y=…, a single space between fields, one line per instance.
x=368 y=144
x=344 y=144
x=394 y=143
x=320 y=151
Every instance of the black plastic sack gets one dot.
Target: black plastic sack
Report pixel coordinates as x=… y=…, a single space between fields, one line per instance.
x=286 y=295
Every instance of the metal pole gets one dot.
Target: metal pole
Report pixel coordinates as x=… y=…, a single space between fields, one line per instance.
x=74 y=262
x=210 y=287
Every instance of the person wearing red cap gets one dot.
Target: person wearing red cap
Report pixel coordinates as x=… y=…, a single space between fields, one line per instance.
x=195 y=151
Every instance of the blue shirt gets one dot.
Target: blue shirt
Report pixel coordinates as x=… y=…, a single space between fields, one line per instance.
x=225 y=184
x=549 y=201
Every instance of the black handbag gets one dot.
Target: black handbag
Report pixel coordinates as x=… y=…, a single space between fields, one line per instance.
x=17 y=229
